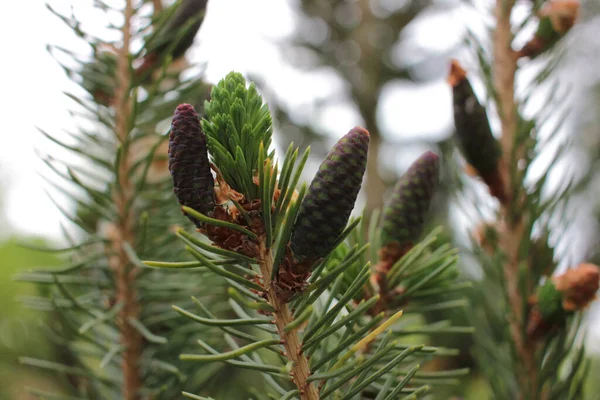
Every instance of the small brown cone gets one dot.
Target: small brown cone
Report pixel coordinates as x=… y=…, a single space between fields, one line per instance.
x=474 y=134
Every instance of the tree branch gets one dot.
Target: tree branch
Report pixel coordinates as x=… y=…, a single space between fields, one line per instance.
x=125 y=272
x=291 y=342
x=504 y=68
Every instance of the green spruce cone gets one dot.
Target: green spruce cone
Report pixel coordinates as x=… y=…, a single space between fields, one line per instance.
x=325 y=211
x=188 y=162
x=473 y=132
x=404 y=214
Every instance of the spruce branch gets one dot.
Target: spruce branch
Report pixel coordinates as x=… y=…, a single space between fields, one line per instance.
x=295 y=256
x=124 y=209
x=518 y=290
x=283 y=318
x=504 y=69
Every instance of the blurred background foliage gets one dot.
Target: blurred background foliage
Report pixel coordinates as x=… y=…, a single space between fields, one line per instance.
x=364 y=53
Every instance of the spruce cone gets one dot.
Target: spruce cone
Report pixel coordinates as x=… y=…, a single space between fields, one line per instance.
x=473 y=132
x=188 y=162
x=404 y=214
x=330 y=198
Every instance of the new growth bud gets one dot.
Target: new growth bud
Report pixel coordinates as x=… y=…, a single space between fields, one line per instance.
x=561 y=296
x=578 y=286
x=193 y=182
x=473 y=132
x=556 y=19
x=325 y=211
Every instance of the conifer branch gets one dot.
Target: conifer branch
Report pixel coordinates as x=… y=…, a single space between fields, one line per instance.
x=130 y=338
x=283 y=317
x=511 y=218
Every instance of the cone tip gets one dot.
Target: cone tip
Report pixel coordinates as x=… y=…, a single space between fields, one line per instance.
x=457 y=73
x=430 y=155
x=360 y=130
x=185 y=107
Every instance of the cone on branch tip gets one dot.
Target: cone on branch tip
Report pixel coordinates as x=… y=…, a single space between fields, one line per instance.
x=171 y=40
x=473 y=133
x=556 y=18
x=404 y=214
x=561 y=296
x=193 y=182
x=325 y=211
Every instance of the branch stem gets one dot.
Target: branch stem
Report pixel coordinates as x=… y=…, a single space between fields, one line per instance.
x=291 y=342
x=123 y=229
x=511 y=219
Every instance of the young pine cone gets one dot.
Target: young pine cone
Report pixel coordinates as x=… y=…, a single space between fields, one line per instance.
x=404 y=214
x=188 y=162
x=330 y=199
x=473 y=132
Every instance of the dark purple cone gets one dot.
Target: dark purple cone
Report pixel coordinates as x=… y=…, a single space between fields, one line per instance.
x=188 y=162
x=330 y=198
x=405 y=212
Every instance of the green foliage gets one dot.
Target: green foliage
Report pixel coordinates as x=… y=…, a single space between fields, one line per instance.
x=236 y=121
x=549 y=301
x=335 y=327
x=99 y=308
x=17 y=332
x=238 y=315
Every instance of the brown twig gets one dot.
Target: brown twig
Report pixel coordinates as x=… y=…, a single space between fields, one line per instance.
x=125 y=272
x=291 y=342
x=504 y=68
x=158 y=6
